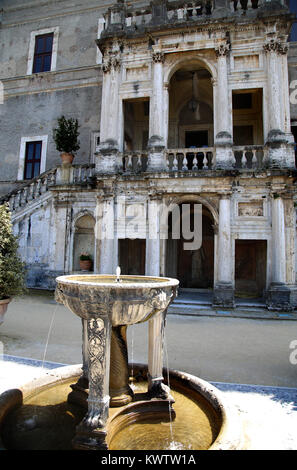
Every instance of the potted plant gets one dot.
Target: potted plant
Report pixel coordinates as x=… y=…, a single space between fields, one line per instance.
x=66 y=138
x=85 y=262
x=12 y=269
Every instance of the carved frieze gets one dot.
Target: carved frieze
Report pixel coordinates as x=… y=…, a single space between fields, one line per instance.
x=250 y=209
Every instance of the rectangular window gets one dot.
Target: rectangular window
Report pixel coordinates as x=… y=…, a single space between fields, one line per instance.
x=43 y=53
x=32 y=159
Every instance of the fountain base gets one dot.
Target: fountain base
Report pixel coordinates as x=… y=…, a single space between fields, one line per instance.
x=201 y=418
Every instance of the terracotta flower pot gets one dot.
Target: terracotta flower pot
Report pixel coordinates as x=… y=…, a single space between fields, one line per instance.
x=85 y=265
x=3 y=307
x=67 y=157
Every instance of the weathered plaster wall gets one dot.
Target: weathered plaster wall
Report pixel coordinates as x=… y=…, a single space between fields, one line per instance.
x=36 y=114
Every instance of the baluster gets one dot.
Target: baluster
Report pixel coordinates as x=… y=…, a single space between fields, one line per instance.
x=254 y=159
x=134 y=19
x=53 y=177
x=139 y=162
x=194 y=10
x=18 y=199
x=31 y=191
x=244 y=160
x=143 y=17
x=209 y=159
x=12 y=202
x=205 y=161
x=175 y=162
x=130 y=163
x=185 y=163
x=195 y=162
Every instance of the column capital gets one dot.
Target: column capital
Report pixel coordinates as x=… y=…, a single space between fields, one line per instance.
x=155 y=195
x=111 y=62
x=158 y=57
x=276 y=45
x=223 y=49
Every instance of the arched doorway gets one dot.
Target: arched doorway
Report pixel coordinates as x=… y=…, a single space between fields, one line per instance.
x=191 y=107
x=84 y=239
x=193 y=268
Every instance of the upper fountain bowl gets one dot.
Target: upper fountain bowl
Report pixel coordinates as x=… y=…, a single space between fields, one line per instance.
x=130 y=300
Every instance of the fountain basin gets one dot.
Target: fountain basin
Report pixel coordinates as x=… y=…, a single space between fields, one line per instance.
x=31 y=415
x=134 y=299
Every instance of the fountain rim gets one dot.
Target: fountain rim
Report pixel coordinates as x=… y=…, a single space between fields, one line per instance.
x=230 y=437
x=157 y=281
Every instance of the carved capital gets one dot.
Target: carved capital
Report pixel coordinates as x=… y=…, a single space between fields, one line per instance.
x=111 y=62
x=222 y=49
x=275 y=45
x=158 y=57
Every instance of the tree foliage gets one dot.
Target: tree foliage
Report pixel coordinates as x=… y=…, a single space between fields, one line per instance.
x=12 y=269
x=66 y=135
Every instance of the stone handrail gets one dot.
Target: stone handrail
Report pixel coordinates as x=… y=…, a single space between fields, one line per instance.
x=30 y=190
x=190 y=159
x=249 y=156
x=36 y=187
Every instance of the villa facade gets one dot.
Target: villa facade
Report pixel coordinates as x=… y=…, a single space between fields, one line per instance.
x=180 y=104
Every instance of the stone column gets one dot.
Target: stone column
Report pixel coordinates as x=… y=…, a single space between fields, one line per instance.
x=280 y=152
x=110 y=131
x=279 y=294
x=224 y=287
x=104 y=233
x=156 y=143
x=156 y=388
x=222 y=110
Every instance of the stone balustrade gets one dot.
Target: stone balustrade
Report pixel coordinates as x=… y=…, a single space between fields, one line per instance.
x=190 y=159
x=30 y=190
x=83 y=173
x=36 y=187
x=121 y=16
x=239 y=5
x=132 y=162
x=249 y=157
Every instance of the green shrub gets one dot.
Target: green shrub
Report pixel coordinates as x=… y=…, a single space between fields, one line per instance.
x=66 y=135
x=12 y=269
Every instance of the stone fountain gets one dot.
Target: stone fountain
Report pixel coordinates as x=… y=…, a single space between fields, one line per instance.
x=107 y=305
x=103 y=404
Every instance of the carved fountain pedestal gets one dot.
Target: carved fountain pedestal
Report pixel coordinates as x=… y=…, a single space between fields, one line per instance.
x=107 y=305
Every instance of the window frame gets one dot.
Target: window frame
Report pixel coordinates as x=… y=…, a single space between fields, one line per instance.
x=42 y=54
x=22 y=156
x=32 y=45
x=33 y=161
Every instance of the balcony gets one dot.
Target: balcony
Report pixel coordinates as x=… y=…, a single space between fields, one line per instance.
x=195 y=160
x=121 y=17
